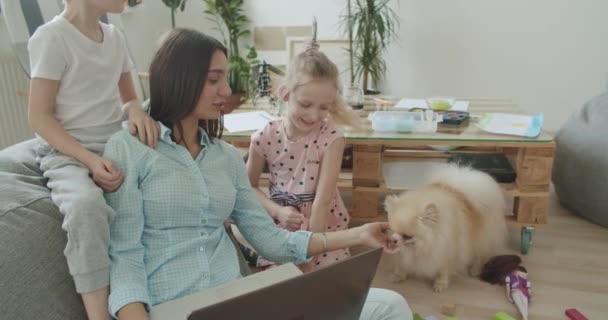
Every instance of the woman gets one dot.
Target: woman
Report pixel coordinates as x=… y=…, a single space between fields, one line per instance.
x=167 y=236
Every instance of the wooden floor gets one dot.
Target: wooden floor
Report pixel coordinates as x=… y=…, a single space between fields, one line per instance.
x=568 y=267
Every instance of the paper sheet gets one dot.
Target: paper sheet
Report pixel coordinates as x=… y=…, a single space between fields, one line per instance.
x=512 y=124
x=421 y=103
x=246 y=121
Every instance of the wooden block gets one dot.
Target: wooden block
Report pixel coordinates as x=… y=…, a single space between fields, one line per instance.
x=503 y=316
x=367 y=165
x=534 y=167
x=365 y=204
x=574 y=314
x=531 y=209
x=448 y=309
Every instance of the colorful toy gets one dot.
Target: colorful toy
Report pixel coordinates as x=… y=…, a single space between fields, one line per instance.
x=503 y=316
x=574 y=314
x=508 y=271
x=448 y=309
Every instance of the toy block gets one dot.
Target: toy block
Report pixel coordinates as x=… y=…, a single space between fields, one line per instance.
x=574 y=314
x=503 y=316
x=448 y=309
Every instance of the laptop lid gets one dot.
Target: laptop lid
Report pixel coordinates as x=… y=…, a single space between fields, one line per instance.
x=334 y=292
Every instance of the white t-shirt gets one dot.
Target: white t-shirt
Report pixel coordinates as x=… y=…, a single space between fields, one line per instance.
x=88 y=104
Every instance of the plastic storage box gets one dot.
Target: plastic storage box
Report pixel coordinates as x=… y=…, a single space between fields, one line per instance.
x=404 y=121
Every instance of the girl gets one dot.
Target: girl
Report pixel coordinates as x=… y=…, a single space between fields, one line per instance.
x=167 y=237
x=304 y=152
x=80 y=77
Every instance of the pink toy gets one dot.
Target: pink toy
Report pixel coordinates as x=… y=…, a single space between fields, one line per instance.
x=574 y=314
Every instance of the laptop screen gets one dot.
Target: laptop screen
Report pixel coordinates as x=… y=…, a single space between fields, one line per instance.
x=334 y=292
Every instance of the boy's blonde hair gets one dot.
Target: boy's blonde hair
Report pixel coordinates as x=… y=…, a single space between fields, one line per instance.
x=316 y=65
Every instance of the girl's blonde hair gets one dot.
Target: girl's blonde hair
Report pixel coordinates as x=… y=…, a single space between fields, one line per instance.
x=316 y=65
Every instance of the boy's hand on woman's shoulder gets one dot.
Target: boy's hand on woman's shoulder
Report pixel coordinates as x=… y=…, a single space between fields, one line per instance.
x=142 y=125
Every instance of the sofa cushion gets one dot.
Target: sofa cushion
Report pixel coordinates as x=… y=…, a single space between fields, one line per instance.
x=35 y=280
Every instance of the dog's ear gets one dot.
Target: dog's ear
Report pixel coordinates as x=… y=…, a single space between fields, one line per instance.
x=390 y=203
x=431 y=210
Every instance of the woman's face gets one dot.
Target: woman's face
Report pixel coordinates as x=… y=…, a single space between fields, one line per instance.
x=310 y=103
x=216 y=89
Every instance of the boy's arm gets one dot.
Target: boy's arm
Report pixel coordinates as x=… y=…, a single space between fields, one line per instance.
x=41 y=115
x=147 y=129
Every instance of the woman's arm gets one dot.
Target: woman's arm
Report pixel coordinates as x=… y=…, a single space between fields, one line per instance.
x=326 y=185
x=133 y=311
x=283 y=246
x=128 y=277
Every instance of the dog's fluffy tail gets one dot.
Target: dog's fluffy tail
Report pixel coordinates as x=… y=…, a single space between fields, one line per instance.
x=479 y=187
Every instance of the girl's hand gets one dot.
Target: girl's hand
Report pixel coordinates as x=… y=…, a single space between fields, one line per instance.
x=377 y=235
x=143 y=125
x=104 y=174
x=307 y=267
x=290 y=218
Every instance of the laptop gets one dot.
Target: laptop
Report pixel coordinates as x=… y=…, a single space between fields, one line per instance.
x=335 y=292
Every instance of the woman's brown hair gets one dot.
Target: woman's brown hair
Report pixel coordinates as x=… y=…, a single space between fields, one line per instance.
x=178 y=73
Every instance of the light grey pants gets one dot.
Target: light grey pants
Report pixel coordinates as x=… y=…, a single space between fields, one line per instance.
x=383 y=304
x=86 y=217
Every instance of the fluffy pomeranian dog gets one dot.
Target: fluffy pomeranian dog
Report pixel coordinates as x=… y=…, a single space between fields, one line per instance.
x=453 y=224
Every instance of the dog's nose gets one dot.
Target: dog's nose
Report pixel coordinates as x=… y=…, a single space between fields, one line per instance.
x=406 y=237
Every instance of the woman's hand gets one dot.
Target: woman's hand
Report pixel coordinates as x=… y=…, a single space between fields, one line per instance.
x=290 y=218
x=143 y=125
x=104 y=173
x=377 y=234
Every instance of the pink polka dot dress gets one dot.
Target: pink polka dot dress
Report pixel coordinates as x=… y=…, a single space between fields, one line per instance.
x=294 y=171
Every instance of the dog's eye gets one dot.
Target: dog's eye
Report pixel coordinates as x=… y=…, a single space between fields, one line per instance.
x=405 y=237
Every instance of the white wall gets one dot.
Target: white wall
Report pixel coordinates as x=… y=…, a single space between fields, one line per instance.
x=146 y=23
x=546 y=55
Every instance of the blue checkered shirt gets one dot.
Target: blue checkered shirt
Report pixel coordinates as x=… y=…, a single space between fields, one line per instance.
x=167 y=238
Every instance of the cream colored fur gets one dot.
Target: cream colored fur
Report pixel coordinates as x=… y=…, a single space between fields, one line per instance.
x=448 y=235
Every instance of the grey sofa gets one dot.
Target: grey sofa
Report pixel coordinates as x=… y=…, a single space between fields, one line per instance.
x=34 y=277
x=580 y=170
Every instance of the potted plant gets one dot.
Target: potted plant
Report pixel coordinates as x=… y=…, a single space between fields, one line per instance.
x=232 y=23
x=174 y=5
x=371 y=25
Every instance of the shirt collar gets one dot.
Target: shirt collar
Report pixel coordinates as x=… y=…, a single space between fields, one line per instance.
x=165 y=135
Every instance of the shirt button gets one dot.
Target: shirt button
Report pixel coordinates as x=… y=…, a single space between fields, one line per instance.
x=201 y=249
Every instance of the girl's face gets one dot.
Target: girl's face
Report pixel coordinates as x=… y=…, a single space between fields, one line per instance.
x=216 y=89
x=310 y=103
x=108 y=6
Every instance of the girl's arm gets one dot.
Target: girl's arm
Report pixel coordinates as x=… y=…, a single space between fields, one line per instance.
x=326 y=185
x=289 y=217
x=255 y=166
x=41 y=116
x=146 y=128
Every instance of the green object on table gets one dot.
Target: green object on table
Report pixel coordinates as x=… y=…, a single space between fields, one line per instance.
x=503 y=316
x=417 y=317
